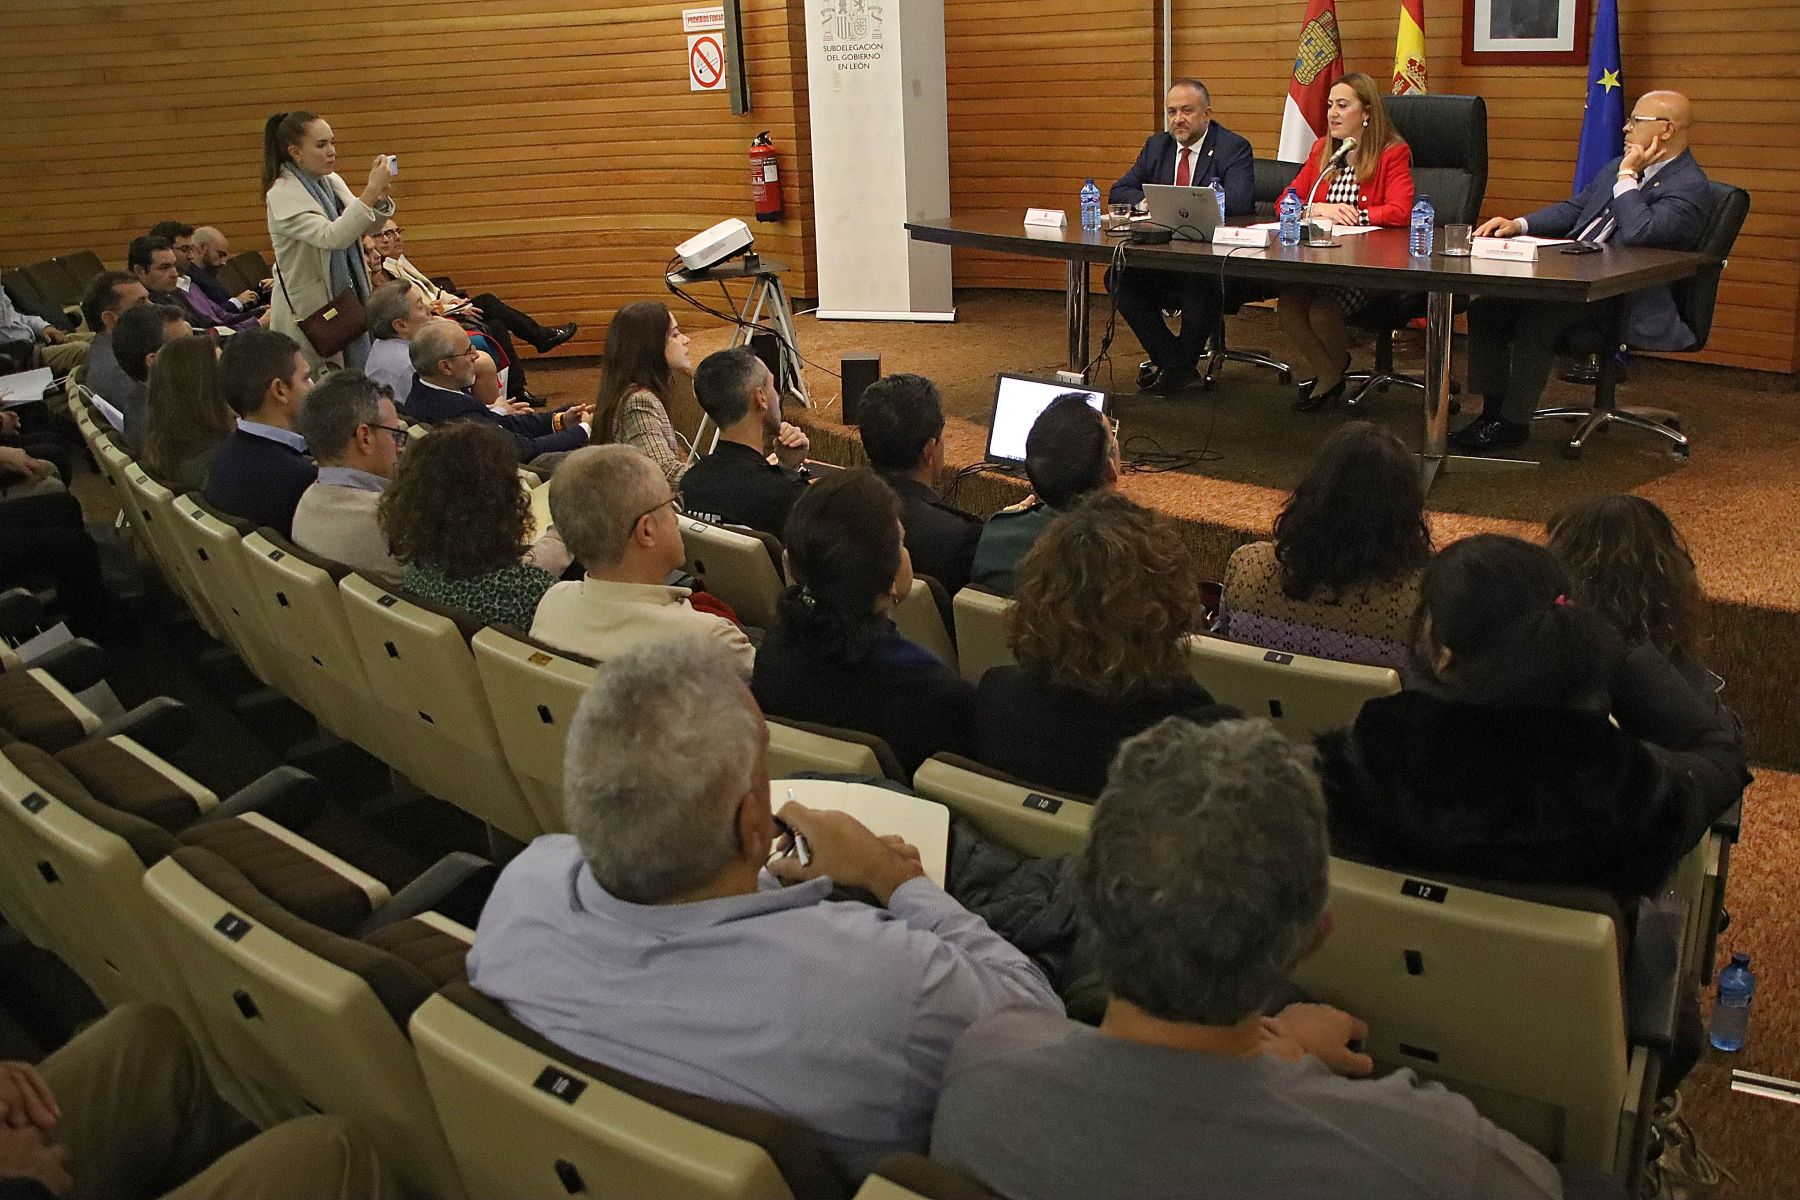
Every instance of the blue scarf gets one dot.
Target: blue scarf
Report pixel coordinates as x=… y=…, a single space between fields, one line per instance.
x=347 y=269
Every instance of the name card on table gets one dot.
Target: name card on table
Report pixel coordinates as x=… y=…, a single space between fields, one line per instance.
x=1519 y=249
x=1048 y=218
x=1236 y=235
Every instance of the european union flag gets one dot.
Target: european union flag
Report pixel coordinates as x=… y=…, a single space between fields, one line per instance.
x=1603 y=119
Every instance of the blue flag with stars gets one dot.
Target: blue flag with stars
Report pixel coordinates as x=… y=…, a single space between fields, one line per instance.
x=1603 y=119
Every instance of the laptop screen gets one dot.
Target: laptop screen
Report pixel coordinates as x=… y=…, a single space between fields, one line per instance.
x=1018 y=399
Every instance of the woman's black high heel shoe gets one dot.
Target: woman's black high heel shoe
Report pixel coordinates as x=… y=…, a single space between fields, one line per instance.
x=1311 y=400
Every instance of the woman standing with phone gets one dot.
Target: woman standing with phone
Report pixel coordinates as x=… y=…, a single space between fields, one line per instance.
x=316 y=226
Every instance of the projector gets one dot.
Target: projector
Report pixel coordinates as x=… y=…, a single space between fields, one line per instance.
x=715 y=245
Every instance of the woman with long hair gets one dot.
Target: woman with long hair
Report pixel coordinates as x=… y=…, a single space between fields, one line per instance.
x=1627 y=562
x=1340 y=580
x=1105 y=602
x=1372 y=186
x=644 y=349
x=458 y=517
x=835 y=656
x=187 y=417
x=316 y=225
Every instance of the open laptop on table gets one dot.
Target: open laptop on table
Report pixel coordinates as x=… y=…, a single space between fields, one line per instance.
x=1191 y=213
x=1018 y=399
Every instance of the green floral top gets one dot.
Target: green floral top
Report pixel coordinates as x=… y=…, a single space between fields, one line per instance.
x=508 y=596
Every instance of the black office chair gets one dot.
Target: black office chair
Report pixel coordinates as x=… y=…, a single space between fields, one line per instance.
x=1695 y=298
x=1448 y=137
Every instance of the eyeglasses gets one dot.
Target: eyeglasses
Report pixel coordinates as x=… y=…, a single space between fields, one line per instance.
x=1633 y=121
x=400 y=435
x=471 y=352
x=389 y=233
x=673 y=502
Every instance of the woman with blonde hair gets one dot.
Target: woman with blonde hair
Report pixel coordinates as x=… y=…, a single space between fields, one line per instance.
x=1371 y=186
x=187 y=417
x=1105 y=602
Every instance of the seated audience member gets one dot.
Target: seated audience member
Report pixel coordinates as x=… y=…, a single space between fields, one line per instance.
x=506 y=320
x=902 y=425
x=487 y=373
x=837 y=1015
x=1501 y=762
x=184 y=239
x=125 y=1111
x=1203 y=881
x=1341 y=578
x=187 y=418
x=43 y=533
x=154 y=263
x=1070 y=451
x=617 y=515
x=262 y=469
x=442 y=391
x=754 y=475
x=212 y=250
x=137 y=337
x=835 y=656
x=355 y=436
x=644 y=349
x=35 y=342
x=107 y=297
x=1106 y=601
x=457 y=516
x=34 y=458
x=396 y=312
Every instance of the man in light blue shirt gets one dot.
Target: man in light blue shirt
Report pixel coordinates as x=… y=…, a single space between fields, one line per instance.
x=48 y=345
x=654 y=941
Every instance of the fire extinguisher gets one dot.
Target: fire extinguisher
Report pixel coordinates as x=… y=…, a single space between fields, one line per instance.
x=765 y=183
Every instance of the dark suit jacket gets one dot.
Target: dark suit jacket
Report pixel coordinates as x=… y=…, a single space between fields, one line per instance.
x=259 y=480
x=531 y=432
x=1666 y=211
x=1224 y=158
x=941 y=539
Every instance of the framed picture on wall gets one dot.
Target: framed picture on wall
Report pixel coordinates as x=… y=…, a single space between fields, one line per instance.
x=1525 y=33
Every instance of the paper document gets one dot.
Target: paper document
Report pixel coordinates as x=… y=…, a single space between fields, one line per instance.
x=113 y=416
x=924 y=823
x=1336 y=230
x=24 y=387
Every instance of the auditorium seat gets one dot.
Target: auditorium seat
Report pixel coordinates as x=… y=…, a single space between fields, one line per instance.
x=214 y=541
x=1028 y=820
x=1518 y=1005
x=527 y=1120
x=915 y=1177
x=115 y=463
x=739 y=566
x=422 y=676
x=981 y=640
x=920 y=617
x=314 y=1020
x=54 y=282
x=82 y=266
x=532 y=692
x=797 y=747
x=36 y=708
x=251 y=269
x=154 y=506
x=1302 y=695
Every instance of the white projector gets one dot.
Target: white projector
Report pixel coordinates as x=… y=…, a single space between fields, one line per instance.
x=715 y=245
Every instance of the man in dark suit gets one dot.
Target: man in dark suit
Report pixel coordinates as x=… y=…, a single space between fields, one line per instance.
x=261 y=470
x=1655 y=195
x=444 y=361
x=1195 y=151
x=902 y=425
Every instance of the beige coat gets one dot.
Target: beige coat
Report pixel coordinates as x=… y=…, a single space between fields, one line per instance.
x=303 y=240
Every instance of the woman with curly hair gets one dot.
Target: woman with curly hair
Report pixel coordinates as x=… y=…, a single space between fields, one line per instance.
x=458 y=517
x=188 y=418
x=644 y=349
x=1105 y=603
x=1341 y=578
x=835 y=656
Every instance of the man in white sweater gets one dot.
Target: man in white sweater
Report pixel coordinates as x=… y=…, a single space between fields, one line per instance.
x=355 y=435
x=617 y=513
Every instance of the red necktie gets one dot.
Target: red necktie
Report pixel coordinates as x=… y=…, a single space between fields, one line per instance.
x=1184 y=173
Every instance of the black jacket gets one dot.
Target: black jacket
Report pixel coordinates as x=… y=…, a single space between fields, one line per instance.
x=532 y=433
x=941 y=539
x=735 y=485
x=259 y=480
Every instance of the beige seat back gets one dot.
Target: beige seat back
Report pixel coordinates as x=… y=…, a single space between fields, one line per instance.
x=735 y=566
x=981 y=632
x=532 y=693
x=1027 y=820
x=115 y=463
x=1303 y=696
x=156 y=503
x=921 y=621
x=216 y=553
x=422 y=675
x=796 y=748
x=1516 y=1005
x=530 y=1123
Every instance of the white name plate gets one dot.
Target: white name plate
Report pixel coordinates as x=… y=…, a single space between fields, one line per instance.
x=1510 y=249
x=1048 y=218
x=1235 y=235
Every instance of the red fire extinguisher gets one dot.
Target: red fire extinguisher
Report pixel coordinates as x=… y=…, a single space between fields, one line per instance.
x=765 y=183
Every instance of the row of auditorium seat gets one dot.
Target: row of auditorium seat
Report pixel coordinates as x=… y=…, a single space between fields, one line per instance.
x=1516 y=999
x=61 y=281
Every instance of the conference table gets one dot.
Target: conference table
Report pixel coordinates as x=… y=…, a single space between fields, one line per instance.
x=1379 y=260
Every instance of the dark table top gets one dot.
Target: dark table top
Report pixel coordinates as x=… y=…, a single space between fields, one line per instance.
x=1370 y=260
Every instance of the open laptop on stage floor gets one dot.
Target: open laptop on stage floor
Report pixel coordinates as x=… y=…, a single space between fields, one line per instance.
x=1018 y=399
x=1192 y=213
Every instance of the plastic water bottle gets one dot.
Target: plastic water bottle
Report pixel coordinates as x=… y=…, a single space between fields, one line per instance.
x=1219 y=193
x=1424 y=225
x=1289 y=212
x=1731 y=1015
x=1090 y=206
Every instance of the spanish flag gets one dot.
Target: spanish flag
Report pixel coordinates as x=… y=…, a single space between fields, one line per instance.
x=1409 y=49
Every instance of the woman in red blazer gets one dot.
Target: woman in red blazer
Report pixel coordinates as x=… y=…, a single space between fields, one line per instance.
x=1372 y=187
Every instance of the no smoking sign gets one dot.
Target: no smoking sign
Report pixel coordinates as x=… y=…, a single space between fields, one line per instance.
x=706 y=62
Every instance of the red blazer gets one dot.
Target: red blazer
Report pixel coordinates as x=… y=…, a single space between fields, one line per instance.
x=1387 y=198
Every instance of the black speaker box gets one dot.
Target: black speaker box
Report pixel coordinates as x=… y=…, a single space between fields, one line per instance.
x=860 y=369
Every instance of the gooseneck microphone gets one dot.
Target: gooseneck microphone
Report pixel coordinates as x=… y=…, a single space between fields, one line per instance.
x=1337 y=156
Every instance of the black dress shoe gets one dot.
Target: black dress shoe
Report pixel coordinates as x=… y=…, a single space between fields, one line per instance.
x=1490 y=433
x=1173 y=380
x=558 y=336
x=1312 y=401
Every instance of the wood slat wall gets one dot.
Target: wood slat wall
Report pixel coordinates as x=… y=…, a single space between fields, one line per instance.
x=550 y=150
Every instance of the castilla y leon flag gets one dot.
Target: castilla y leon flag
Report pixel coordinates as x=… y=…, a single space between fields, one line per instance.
x=1319 y=61
x=1409 y=50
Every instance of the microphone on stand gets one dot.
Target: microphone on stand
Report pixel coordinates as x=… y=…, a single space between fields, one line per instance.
x=1337 y=156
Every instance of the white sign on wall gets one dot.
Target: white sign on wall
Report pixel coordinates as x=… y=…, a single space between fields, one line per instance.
x=705 y=29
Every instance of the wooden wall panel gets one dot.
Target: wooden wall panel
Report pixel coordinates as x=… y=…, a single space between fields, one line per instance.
x=550 y=150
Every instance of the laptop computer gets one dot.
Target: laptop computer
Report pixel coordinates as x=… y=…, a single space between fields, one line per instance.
x=1192 y=213
x=1018 y=400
